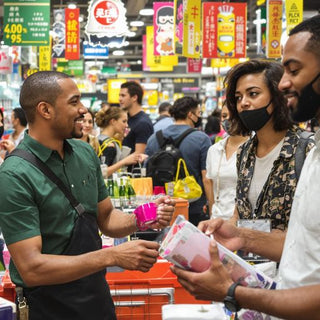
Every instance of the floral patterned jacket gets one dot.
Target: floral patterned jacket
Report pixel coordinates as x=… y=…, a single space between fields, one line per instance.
x=275 y=199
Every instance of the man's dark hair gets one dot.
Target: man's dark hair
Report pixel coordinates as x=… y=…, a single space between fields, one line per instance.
x=272 y=72
x=182 y=107
x=311 y=25
x=40 y=86
x=18 y=113
x=164 y=106
x=134 y=88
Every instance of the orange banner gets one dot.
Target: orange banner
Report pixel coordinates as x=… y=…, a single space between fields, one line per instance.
x=274 y=28
x=72 y=51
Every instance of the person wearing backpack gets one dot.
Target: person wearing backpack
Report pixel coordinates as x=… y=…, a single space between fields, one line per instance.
x=193 y=148
x=269 y=163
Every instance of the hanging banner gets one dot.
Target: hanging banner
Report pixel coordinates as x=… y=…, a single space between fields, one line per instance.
x=5 y=61
x=191 y=28
x=224 y=62
x=106 y=19
x=157 y=63
x=194 y=65
x=26 y=23
x=45 y=58
x=163 y=24
x=58 y=33
x=294 y=13
x=72 y=50
x=274 y=28
x=224 y=30
x=178 y=26
x=114 y=86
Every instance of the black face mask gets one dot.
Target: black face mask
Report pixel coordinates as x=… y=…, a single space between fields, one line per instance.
x=198 y=123
x=1 y=131
x=255 y=119
x=308 y=103
x=226 y=125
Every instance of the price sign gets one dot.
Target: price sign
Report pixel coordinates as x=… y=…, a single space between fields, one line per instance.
x=26 y=23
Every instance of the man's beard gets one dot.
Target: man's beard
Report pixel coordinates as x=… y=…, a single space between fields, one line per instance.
x=308 y=103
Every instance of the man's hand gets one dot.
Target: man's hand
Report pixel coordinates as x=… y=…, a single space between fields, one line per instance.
x=211 y=284
x=136 y=255
x=224 y=232
x=165 y=210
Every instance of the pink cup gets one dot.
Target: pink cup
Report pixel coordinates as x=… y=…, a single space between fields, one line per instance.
x=146 y=214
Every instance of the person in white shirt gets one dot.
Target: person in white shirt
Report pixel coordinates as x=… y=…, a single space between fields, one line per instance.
x=298 y=289
x=222 y=171
x=19 y=124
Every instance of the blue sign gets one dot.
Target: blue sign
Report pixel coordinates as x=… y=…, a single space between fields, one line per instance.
x=95 y=52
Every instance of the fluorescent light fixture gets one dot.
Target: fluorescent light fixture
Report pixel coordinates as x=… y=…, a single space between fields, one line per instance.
x=131 y=34
x=118 y=53
x=136 y=23
x=72 y=5
x=139 y=62
x=146 y=12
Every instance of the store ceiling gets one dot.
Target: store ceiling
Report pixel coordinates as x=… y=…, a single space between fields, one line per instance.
x=133 y=52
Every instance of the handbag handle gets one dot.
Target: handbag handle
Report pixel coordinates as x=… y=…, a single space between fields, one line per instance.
x=186 y=172
x=106 y=143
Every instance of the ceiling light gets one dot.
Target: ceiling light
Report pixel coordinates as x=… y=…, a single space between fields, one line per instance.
x=72 y=5
x=146 y=12
x=118 y=53
x=131 y=34
x=136 y=23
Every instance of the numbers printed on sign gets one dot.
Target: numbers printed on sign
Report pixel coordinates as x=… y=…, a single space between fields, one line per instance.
x=14 y=32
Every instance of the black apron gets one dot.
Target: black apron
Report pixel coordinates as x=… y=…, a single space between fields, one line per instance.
x=84 y=299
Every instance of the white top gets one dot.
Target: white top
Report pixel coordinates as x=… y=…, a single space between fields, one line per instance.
x=300 y=262
x=223 y=172
x=262 y=169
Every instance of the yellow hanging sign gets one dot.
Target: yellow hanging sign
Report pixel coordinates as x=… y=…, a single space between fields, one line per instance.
x=294 y=13
x=158 y=63
x=191 y=29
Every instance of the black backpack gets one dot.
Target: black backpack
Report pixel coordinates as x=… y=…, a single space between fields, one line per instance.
x=162 y=165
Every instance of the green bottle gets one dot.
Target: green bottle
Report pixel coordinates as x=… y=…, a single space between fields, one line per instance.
x=122 y=194
x=130 y=193
x=116 y=194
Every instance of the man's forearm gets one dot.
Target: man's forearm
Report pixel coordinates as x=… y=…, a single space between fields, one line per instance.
x=296 y=304
x=269 y=245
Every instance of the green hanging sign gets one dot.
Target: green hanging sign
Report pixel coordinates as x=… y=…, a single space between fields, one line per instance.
x=26 y=23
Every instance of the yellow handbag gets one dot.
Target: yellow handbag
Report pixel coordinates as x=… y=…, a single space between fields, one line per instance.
x=186 y=188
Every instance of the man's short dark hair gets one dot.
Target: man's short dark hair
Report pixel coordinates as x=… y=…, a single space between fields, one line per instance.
x=272 y=73
x=134 y=88
x=164 y=107
x=183 y=106
x=311 y=25
x=18 y=113
x=40 y=86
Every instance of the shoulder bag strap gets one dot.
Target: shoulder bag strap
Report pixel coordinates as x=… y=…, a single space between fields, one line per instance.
x=300 y=155
x=182 y=136
x=49 y=173
x=160 y=138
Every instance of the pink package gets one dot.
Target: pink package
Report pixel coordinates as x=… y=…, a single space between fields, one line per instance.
x=146 y=214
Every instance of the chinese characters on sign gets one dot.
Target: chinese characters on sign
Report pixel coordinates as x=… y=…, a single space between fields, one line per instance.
x=106 y=20
x=274 y=29
x=224 y=30
x=72 y=50
x=27 y=23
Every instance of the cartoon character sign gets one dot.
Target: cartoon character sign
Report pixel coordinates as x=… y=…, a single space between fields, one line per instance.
x=164 y=31
x=226 y=31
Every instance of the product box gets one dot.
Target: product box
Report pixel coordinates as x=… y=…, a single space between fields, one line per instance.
x=187 y=247
x=193 y=312
x=7 y=310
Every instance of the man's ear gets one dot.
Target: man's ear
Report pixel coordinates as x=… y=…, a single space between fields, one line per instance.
x=44 y=109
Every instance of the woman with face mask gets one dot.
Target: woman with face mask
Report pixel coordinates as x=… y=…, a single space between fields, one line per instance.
x=222 y=172
x=266 y=163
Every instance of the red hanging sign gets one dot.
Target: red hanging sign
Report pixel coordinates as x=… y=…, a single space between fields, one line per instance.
x=72 y=51
x=224 y=30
